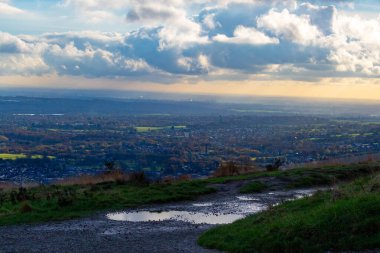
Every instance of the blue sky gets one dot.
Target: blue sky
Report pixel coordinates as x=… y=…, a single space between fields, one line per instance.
x=209 y=46
x=55 y=16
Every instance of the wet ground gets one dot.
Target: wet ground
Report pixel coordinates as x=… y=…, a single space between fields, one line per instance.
x=158 y=228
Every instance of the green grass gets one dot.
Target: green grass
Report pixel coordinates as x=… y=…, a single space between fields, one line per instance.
x=143 y=129
x=227 y=179
x=254 y=187
x=65 y=202
x=340 y=220
x=329 y=175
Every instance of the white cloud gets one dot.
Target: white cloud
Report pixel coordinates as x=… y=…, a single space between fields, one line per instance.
x=289 y=26
x=355 y=45
x=95 y=11
x=12 y=44
x=199 y=64
x=94 y=4
x=321 y=16
x=290 y=4
x=7 y=9
x=235 y=38
x=183 y=36
x=178 y=29
x=246 y=35
x=154 y=13
x=209 y=21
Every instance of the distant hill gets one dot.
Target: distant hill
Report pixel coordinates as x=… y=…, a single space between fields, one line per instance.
x=88 y=105
x=28 y=105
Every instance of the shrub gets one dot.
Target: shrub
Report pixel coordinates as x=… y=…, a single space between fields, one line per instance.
x=275 y=166
x=184 y=177
x=22 y=194
x=227 y=169
x=65 y=197
x=25 y=207
x=65 y=201
x=138 y=178
x=168 y=180
x=3 y=198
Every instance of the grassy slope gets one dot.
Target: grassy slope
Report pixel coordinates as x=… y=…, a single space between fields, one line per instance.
x=343 y=219
x=78 y=201
x=84 y=200
x=307 y=177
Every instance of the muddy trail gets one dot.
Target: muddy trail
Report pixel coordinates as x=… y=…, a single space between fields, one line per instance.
x=173 y=227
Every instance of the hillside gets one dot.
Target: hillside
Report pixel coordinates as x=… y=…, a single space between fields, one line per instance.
x=346 y=218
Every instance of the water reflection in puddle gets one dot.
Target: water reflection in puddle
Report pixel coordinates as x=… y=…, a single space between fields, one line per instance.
x=192 y=217
x=202 y=204
x=303 y=193
x=245 y=198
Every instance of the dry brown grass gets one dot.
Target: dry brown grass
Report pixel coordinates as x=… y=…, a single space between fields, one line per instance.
x=11 y=185
x=233 y=169
x=8 y=185
x=369 y=158
x=184 y=177
x=111 y=176
x=172 y=179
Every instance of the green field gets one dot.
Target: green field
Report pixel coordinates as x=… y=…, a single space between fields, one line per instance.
x=22 y=156
x=142 y=129
x=12 y=156
x=344 y=219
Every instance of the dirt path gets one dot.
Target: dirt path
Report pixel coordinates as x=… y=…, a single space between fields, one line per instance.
x=100 y=234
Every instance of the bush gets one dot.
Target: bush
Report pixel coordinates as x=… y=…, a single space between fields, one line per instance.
x=227 y=169
x=25 y=207
x=65 y=201
x=275 y=166
x=3 y=198
x=138 y=178
x=65 y=197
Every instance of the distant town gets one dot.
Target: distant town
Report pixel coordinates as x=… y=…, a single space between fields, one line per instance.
x=46 y=146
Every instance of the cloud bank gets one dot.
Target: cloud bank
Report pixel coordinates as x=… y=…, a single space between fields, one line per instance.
x=7 y=9
x=224 y=39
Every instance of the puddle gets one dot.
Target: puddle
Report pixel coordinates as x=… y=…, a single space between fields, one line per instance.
x=221 y=211
x=191 y=217
x=245 y=207
x=244 y=198
x=202 y=204
x=303 y=193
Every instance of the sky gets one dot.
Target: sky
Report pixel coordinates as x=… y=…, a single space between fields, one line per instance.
x=321 y=49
